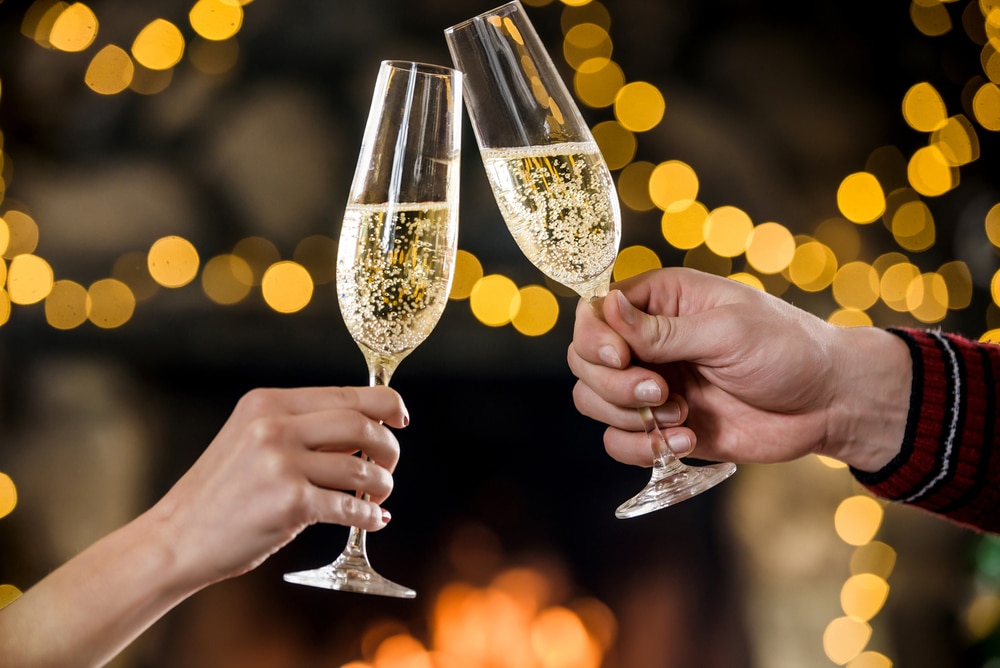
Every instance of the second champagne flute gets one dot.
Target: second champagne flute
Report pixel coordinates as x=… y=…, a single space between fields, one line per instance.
x=555 y=192
x=396 y=256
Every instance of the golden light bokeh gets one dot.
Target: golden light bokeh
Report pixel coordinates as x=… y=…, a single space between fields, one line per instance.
x=216 y=20
x=287 y=287
x=634 y=260
x=857 y=519
x=534 y=311
x=110 y=71
x=491 y=298
x=74 y=29
x=158 y=46
x=173 y=262
x=67 y=305
x=111 y=303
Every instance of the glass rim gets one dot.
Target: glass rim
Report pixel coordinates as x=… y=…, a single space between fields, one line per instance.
x=479 y=17
x=419 y=67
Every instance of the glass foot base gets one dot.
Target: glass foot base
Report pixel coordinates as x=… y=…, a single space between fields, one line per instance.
x=672 y=487
x=350 y=573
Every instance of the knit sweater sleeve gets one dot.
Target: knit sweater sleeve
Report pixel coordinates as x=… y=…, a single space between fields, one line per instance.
x=949 y=463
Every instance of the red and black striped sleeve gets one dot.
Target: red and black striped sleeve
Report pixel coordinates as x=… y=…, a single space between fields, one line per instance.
x=949 y=463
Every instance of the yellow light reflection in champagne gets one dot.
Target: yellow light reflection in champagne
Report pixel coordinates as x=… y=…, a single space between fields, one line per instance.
x=844 y=639
x=112 y=304
x=67 y=305
x=8 y=495
x=616 y=143
x=318 y=254
x=74 y=29
x=929 y=172
x=673 y=185
x=863 y=595
x=110 y=71
x=770 y=248
x=913 y=226
x=173 y=261
x=132 y=269
x=635 y=260
x=932 y=20
x=957 y=141
x=158 y=46
x=214 y=57
x=894 y=284
x=685 y=228
x=226 y=279
x=22 y=233
x=875 y=557
x=813 y=267
x=857 y=519
x=870 y=659
x=849 y=317
x=259 y=253
x=986 y=106
x=8 y=594
x=534 y=311
x=597 y=82
x=958 y=280
x=491 y=298
x=216 y=20
x=856 y=286
x=633 y=186
x=468 y=271
x=287 y=287
x=860 y=198
x=560 y=640
x=992 y=223
x=639 y=106
x=29 y=279
x=923 y=108
x=586 y=41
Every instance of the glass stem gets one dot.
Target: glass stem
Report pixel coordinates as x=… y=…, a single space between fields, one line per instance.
x=664 y=461
x=380 y=370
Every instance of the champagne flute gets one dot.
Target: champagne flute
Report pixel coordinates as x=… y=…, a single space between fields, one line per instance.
x=396 y=255
x=555 y=192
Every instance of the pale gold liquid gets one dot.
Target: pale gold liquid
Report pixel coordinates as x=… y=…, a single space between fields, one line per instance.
x=394 y=273
x=560 y=205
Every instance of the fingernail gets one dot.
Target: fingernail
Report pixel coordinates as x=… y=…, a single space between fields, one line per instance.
x=648 y=391
x=680 y=444
x=406 y=418
x=609 y=356
x=668 y=413
x=625 y=306
x=386 y=515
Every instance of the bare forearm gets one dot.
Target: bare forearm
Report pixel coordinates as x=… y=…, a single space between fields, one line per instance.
x=89 y=609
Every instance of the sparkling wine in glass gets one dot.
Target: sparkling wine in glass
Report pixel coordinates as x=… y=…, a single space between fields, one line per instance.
x=396 y=255
x=555 y=192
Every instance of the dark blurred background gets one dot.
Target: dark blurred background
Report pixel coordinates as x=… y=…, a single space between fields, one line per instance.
x=771 y=104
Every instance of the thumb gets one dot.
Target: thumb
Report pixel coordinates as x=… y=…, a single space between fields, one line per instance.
x=656 y=339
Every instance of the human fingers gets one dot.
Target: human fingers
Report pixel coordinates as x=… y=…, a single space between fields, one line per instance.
x=379 y=402
x=594 y=341
x=669 y=413
x=338 y=507
x=340 y=471
x=346 y=431
x=634 y=448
